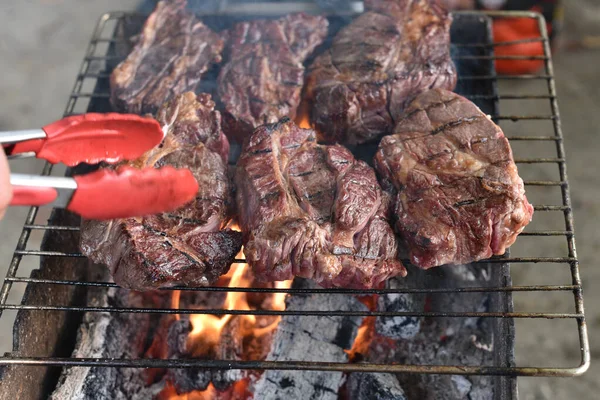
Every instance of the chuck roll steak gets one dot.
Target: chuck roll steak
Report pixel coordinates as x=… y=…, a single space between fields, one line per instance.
x=191 y=245
x=312 y=211
x=458 y=196
x=262 y=79
x=171 y=53
x=360 y=86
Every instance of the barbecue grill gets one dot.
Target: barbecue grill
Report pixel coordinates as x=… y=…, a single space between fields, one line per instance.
x=52 y=307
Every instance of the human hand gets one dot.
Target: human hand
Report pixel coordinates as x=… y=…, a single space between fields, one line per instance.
x=5 y=187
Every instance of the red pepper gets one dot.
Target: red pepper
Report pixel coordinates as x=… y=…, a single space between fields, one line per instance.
x=513 y=29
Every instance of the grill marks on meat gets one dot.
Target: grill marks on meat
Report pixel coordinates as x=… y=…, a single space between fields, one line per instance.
x=264 y=75
x=173 y=51
x=458 y=195
x=189 y=246
x=312 y=211
x=376 y=65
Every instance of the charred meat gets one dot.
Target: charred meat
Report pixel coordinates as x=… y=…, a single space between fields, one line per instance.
x=312 y=211
x=171 y=53
x=360 y=86
x=263 y=77
x=458 y=196
x=191 y=245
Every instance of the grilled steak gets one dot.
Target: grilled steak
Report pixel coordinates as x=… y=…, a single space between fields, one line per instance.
x=172 y=52
x=376 y=65
x=189 y=246
x=458 y=195
x=263 y=77
x=312 y=211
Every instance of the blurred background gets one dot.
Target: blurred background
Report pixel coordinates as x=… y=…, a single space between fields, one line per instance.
x=42 y=43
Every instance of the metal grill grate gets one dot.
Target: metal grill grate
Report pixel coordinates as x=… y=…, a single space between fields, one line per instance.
x=561 y=214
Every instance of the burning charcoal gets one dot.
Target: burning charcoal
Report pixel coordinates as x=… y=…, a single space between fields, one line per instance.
x=399 y=327
x=177 y=338
x=110 y=335
x=184 y=379
x=310 y=338
x=461 y=384
x=465 y=274
x=231 y=347
x=447 y=341
x=368 y=385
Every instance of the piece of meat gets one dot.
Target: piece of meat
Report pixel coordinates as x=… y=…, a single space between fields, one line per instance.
x=263 y=77
x=312 y=211
x=189 y=246
x=458 y=195
x=172 y=52
x=360 y=86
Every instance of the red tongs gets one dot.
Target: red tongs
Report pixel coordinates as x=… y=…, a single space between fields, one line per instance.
x=104 y=194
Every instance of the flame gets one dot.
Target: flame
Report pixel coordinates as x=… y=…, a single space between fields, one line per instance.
x=365 y=333
x=169 y=393
x=238 y=391
x=279 y=298
x=302 y=115
x=363 y=339
x=206 y=330
x=303 y=122
x=278 y=304
x=175 y=302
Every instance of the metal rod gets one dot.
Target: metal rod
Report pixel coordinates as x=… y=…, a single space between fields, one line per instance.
x=569 y=223
x=318 y=313
x=502 y=77
x=539 y=160
x=531 y=288
x=95 y=95
x=242 y=261
x=534 y=138
x=294 y=365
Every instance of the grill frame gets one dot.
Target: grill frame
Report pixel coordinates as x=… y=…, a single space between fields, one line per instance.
x=568 y=233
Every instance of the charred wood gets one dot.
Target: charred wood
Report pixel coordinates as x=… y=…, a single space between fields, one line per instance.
x=447 y=341
x=310 y=338
x=368 y=386
x=401 y=327
x=110 y=335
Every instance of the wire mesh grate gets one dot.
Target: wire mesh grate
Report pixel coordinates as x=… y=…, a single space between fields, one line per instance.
x=553 y=178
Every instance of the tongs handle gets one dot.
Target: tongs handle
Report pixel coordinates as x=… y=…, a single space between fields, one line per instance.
x=11 y=137
x=33 y=190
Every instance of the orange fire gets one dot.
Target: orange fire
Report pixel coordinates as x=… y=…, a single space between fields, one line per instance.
x=365 y=333
x=237 y=392
x=304 y=122
x=207 y=329
x=169 y=393
x=363 y=339
x=302 y=115
x=175 y=302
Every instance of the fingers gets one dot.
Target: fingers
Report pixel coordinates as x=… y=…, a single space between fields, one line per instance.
x=5 y=187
